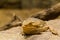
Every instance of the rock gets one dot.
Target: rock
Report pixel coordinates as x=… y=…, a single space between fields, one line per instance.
x=44 y=36
x=14 y=33
x=48 y=14
x=56 y=7
x=54 y=37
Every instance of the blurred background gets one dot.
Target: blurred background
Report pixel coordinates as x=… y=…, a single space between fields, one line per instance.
x=22 y=8
x=27 y=4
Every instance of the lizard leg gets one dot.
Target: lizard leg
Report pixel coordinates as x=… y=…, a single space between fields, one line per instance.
x=53 y=31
